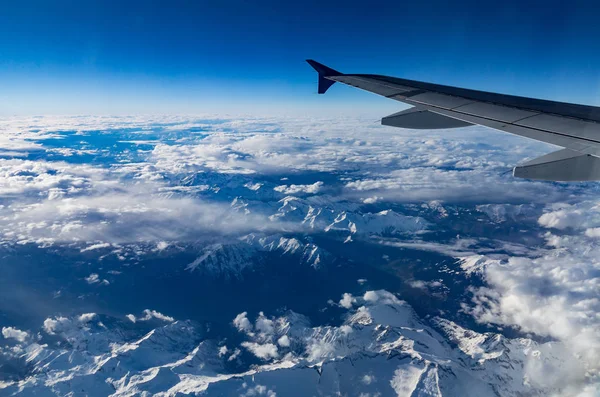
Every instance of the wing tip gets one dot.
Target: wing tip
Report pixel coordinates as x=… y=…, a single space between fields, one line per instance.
x=324 y=72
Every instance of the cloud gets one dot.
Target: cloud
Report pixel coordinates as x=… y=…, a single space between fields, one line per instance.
x=265 y=351
x=257 y=390
x=284 y=341
x=173 y=186
x=347 y=301
x=86 y=317
x=555 y=295
x=562 y=219
x=92 y=278
x=371 y=296
x=368 y=379
x=96 y=247
x=263 y=324
x=150 y=314
x=371 y=200
x=54 y=325
x=318 y=350
x=14 y=333
x=295 y=189
x=242 y=323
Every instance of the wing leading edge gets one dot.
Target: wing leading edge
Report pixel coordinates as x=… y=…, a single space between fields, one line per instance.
x=573 y=127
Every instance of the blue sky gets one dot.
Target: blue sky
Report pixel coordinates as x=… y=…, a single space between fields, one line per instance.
x=104 y=57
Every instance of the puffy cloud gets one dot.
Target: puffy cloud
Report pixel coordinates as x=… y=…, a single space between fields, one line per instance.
x=86 y=317
x=425 y=285
x=284 y=341
x=593 y=232
x=562 y=219
x=265 y=351
x=295 y=189
x=149 y=315
x=242 y=323
x=161 y=245
x=347 y=301
x=95 y=279
x=14 y=333
x=92 y=278
x=54 y=325
x=174 y=193
x=135 y=200
x=371 y=200
x=257 y=390
x=555 y=295
x=368 y=379
x=371 y=296
x=263 y=324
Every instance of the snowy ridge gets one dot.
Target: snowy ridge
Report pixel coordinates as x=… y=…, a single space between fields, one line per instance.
x=232 y=259
x=345 y=218
x=382 y=345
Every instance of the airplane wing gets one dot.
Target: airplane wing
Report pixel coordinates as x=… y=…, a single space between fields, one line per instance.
x=574 y=127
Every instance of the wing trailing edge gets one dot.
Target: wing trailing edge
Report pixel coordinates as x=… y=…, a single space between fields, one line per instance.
x=420 y=119
x=563 y=165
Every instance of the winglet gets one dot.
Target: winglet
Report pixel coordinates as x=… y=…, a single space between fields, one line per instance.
x=324 y=72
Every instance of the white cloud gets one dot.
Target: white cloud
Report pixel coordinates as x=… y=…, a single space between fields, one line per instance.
x=371 y=200
x=236 y=353
x=371 y=296
x=92 y=278
x=284 y=341
x=426 y=285
x=295 y=189
x=135 y=201
x=54 y=325
x=86 y=317
x=263 y=324
x=593 y=232
x=150 y=314
x=563 y=219
x=161 y=245
x=257 y=390
x=368 y=379
x=242 y=323
x=14 y=333
x=96 y=246
x=318 y=350
x=347 y=301
x=265 y=351
x=554 y=295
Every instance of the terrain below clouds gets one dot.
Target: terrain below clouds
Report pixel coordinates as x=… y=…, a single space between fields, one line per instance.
x=224 y=255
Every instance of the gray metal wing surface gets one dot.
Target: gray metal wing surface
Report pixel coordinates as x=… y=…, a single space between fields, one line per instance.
x=573 y=127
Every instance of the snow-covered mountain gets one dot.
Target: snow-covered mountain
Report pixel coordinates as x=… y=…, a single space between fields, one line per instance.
x=381 y=348
x=232 y=259
x=492 y=281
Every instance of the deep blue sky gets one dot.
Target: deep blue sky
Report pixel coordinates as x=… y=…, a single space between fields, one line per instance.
x=103 y=57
